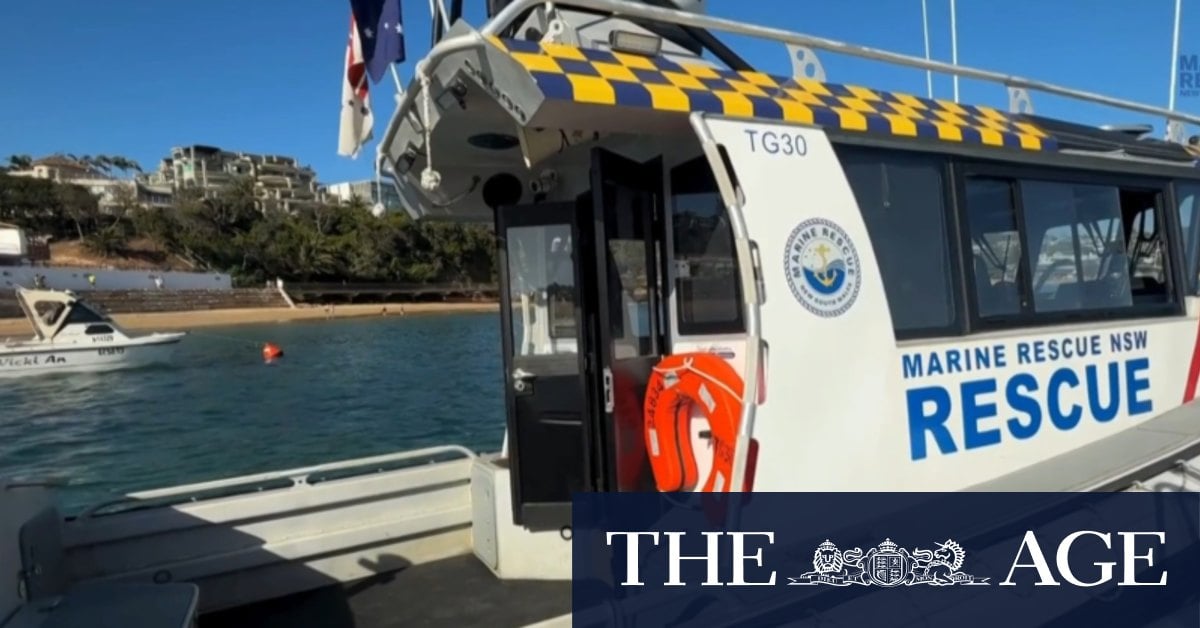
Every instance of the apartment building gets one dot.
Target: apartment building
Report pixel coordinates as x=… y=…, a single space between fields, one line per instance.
x=280 y=183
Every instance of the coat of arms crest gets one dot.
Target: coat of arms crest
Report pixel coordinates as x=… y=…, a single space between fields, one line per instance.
x=888 y=565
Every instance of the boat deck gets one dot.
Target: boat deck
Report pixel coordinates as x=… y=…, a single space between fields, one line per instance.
x=458 y=591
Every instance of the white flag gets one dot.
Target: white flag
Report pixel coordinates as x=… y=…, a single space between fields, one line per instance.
x=357 y=119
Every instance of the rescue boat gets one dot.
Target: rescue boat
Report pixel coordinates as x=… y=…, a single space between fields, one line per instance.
x=714 y=279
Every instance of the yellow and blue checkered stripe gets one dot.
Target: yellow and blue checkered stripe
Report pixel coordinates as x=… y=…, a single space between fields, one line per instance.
x=611 y=78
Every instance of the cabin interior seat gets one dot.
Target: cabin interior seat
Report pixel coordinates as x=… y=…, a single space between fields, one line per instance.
x=41 y=597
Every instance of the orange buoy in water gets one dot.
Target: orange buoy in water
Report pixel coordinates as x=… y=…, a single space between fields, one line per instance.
x=271 y=351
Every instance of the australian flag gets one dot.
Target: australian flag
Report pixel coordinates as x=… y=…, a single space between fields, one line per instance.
x=381 y=30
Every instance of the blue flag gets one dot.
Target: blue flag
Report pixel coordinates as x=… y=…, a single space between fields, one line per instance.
x=381 y=30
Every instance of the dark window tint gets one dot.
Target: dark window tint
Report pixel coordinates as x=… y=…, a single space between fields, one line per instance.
x=82 y=314
x=1188 y=195
x=706 y=276
x=1070 y=247
x=627 y=218
x=901 y=199
x=995 y=246
x=1146 y=246
x=1092 y=247
x=93 y=330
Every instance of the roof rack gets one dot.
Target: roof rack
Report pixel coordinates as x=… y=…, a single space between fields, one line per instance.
x=1125 y=140
x=622 y=8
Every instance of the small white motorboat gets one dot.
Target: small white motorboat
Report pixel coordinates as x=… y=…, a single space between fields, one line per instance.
x=71 y=336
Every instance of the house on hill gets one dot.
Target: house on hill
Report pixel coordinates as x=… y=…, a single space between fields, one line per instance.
x=58 y=168
x=105 y=187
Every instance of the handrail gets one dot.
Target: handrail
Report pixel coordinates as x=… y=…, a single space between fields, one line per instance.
x=623 y=8
x=299 y=476
x=511 y=12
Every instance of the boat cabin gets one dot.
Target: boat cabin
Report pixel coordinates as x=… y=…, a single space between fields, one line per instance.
x=910 y=293
x=52 y=312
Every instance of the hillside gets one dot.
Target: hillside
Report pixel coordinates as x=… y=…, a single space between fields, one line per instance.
x=140 y=254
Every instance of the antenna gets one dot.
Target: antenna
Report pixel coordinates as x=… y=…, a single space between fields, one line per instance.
x=925 y=30
x=1174 y=128
x=1174 y=57
x=954 y=45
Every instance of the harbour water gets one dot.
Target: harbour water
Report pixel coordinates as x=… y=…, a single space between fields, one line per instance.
x=344 y=389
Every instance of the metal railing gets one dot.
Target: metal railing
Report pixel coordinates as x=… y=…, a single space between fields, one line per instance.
x=298 y=477
x=622 y=8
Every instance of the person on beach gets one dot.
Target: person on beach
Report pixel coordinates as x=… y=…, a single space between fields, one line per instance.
x=91 y=280
x=158 y=282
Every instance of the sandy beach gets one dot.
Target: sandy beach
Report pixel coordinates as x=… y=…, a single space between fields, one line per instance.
x=167 y=321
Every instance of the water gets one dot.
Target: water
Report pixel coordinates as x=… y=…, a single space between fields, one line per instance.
x=344 y=389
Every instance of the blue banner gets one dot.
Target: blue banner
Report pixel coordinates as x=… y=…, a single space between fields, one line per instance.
x=886 y=559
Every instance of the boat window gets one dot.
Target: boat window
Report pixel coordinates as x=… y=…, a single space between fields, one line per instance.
x=627 y=232
x=1188 y=194
x=93 y=330
x=995 y=247
x=48 y=311
x=1146 y=247
x=707 y=288
x=1062 y=247
x=901 y=199
x=542 y=282
x=82 y=314
x=1077 y=259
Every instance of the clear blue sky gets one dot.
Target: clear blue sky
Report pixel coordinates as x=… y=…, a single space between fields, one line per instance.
x=136 y=77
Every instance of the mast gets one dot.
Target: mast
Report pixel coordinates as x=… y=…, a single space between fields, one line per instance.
x=1174 y=57
x=1174 y=127
x=954 y=45
x=925 y=31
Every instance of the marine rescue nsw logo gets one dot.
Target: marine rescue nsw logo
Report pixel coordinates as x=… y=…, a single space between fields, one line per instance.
x=822 y=267
x=888 y=565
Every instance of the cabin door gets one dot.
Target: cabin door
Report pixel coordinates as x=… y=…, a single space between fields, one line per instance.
x=581 y=332
x=626 y=226
x=545 y=359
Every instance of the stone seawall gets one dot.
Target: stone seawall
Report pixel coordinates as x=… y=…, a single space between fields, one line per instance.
x=130 y=301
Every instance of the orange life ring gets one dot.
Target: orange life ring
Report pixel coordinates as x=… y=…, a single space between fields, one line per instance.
x=679 y=383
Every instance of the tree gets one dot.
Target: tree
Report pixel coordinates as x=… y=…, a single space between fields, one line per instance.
x=79 y=205
x=32 y=204
x=20 y=162
x=124 y=205
x=108 y=163
x=109 y=241
x=100 y=163
x=125 y=164
x=228 y=233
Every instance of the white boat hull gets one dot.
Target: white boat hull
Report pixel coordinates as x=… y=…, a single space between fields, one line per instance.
x=84 y=359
